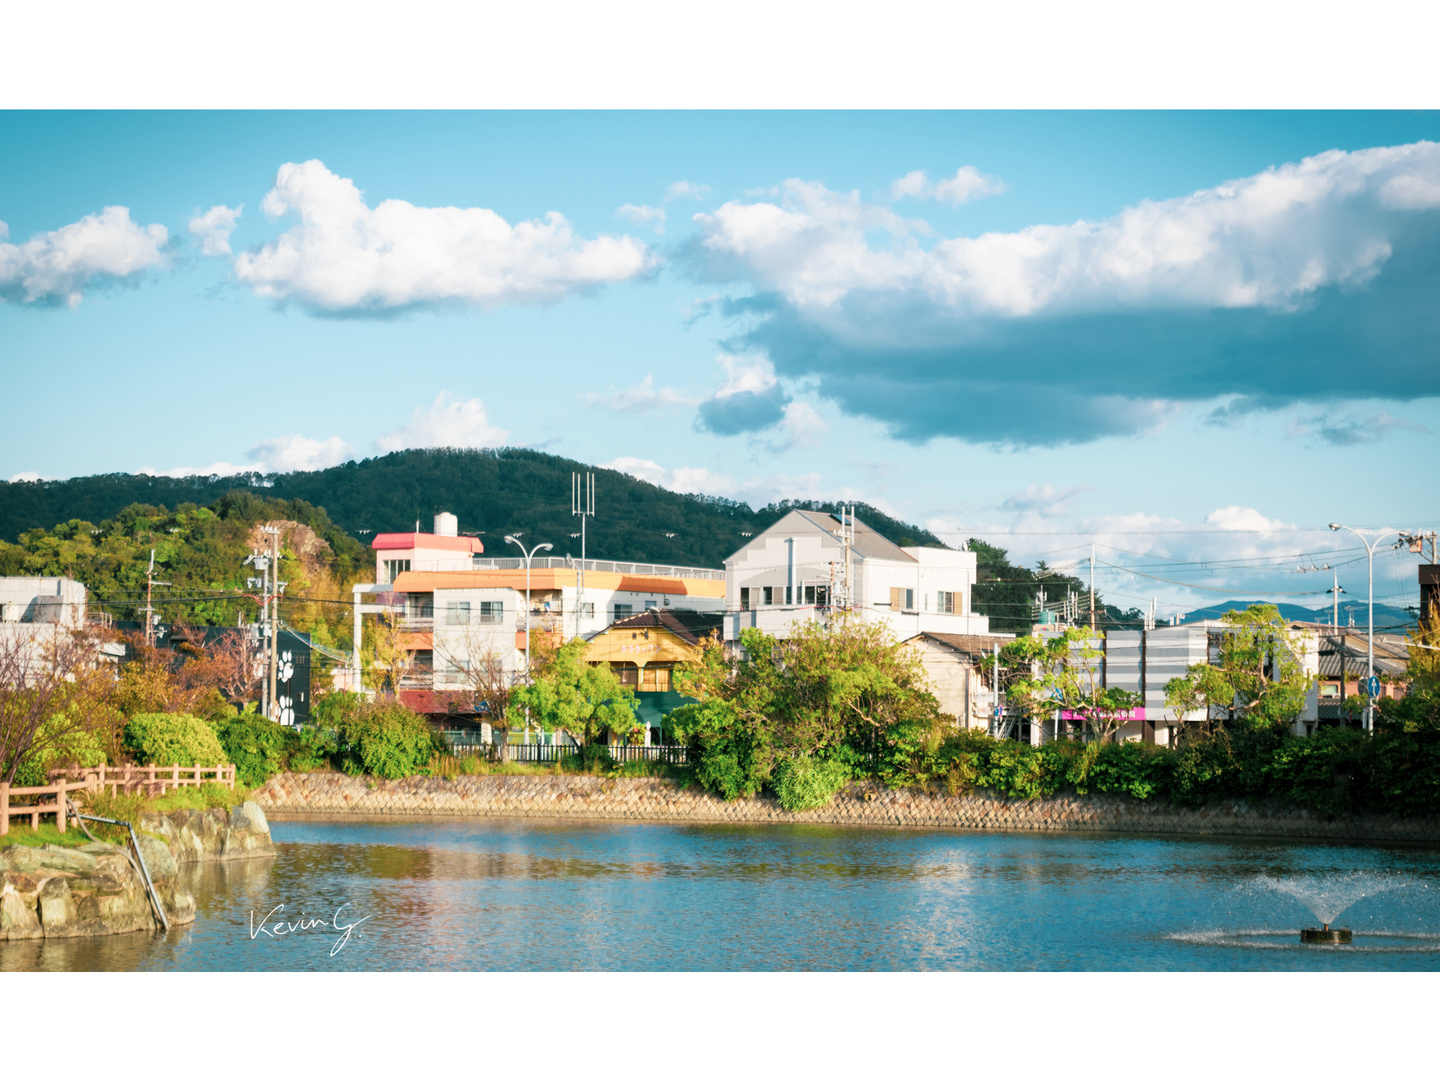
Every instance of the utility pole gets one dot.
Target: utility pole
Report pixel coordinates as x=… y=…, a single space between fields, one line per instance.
x=150 y=584
x=1370 y=662
x=515 y=539
x=582 y=505
x=1092 y=588
x=268 y=563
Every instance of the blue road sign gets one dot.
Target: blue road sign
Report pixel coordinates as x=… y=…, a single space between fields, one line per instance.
x=1372 y=686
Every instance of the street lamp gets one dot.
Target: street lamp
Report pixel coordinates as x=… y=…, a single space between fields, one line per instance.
x=528 y=556
x=1370 y=663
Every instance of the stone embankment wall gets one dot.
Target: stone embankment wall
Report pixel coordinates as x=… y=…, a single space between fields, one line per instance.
x=867 y=804
x=52 y=891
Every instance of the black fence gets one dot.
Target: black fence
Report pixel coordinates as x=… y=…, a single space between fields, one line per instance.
x=540 y=754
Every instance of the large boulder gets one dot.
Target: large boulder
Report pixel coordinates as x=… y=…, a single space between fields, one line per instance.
x=249 y=832
x=48 y=859
x=158 y=859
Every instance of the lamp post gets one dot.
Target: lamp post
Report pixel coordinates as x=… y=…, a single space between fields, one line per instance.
x=528 y=556
x=1370 y=623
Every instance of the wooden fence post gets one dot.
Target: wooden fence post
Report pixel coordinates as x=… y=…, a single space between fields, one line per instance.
x=4 y=808
x=60 y=790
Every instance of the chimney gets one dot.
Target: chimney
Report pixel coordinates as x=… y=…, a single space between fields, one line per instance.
x=447 y=525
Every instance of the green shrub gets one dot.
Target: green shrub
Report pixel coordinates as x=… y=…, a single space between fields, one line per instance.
x=256 y=746
x=389 y=741
x=172 y=739
x=75 y=747
x=314 y=749
x=806 y=783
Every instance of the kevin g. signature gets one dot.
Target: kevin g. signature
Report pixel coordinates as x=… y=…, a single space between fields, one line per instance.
x=282 y=928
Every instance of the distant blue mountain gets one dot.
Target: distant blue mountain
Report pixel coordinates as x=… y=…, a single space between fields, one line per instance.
x=1386 y=617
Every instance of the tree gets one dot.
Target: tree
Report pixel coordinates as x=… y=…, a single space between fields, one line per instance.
x=1046 y=674
x=1259 y=680
x=846 y=691
x=567 y=694
x=51 y=682
x=477 y=660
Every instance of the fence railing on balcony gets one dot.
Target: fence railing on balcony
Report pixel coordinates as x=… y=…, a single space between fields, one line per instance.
x=604 y=566
x=417 y=622
x=538 y=754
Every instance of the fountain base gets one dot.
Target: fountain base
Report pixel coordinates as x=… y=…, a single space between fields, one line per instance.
x=1324 y=936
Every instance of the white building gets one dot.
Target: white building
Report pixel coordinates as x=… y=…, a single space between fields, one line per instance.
x=802 y=566
x=455 y=604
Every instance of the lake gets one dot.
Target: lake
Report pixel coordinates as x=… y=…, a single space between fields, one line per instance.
x=496 y=895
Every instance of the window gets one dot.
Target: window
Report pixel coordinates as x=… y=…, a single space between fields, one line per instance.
x=654 y=679
x=902 y=599
x=420 y=606
x=769 y=594
x=587 y=611
x=629 y=674
x=946 y=604
x=745 y=599
x=451 y=666
x=624 y=611
x=457 y=613
x=789 y=599
x=492 y=611
x=394 y=568
x=817 y=595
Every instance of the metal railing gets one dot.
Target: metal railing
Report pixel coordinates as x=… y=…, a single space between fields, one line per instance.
x=602 y=566
x=542 y=754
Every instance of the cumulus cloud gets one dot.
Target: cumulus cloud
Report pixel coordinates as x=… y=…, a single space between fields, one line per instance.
x=966 y=185
x=296 y=453
x=643 y=215
x=56 y=267
x=684 y=189
x=644 y=396
x=213 y=229
x=757 y=491
x=1230 y=290
x=460 y=424
x=345 y=255
x=751 y=398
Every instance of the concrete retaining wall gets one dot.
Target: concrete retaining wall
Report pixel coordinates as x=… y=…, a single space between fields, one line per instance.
x=867 y=804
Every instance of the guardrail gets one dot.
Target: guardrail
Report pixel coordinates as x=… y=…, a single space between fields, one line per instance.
x=152 y=779
x=34 y=810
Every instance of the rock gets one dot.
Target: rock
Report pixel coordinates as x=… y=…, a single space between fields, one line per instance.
x=249 y=832
x=248 y=817
x=158 y=859
x=48 y=857
x=100 y=847
x=17 y=914
x=57 y=908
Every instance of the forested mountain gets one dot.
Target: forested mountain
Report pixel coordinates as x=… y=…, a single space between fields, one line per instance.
x=493 y=492
x=99 y=529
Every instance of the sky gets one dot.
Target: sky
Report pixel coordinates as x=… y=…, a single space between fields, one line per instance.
x=1192 y=339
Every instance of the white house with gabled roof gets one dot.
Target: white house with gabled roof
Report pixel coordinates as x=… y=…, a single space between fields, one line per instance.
x=803 y=567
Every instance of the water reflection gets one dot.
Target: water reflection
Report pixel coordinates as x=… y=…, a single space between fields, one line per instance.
x=494 y=895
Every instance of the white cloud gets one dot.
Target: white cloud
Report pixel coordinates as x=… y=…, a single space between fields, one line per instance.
x=684 y=189
x=445 y=423
x=1046 y=500
x=29 y=476
x=57 y=266
x=645 y=396
x=966 y=185
x=296 y=453
x=346 y=255
x=643 y=215
x=213 y=229
x=694 y=480
x=802 y=426
x=1351 y=428
x=219 y=468
x=1267 y=240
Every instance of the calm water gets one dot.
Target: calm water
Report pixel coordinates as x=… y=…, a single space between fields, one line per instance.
x=514 y=895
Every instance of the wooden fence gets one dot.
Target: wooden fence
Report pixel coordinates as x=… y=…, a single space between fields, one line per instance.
x=60 y=790
x=151 y=779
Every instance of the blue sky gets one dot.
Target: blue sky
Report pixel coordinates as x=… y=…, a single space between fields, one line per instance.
x=1190 y=337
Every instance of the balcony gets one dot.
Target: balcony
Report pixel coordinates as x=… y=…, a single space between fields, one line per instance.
x=423 y=623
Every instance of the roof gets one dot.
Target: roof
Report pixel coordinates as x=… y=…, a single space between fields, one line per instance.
x=1350 y=645
x=427 y=542
x=974 y=646
x=689 y=626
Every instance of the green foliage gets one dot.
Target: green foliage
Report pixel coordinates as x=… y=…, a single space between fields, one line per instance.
x=314 y=749
x=567 y=694
x=257 y=747
x=1259 y=677
x=1006 y=593
x=172 y=739
x=806 y=783
x=389 y=741
x=60 y=744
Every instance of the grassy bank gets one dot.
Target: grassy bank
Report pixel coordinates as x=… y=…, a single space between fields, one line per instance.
x=122 y=808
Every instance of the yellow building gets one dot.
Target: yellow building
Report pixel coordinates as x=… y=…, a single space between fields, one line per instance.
x=644 y=651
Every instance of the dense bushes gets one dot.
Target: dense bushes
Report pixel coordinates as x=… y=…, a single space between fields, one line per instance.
x=172 y=739
x=257 y=747
x=388 y=741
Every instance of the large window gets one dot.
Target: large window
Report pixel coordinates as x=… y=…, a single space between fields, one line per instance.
x=624 y=611
x=817 y=595
x=902 y=599
x=769 y=595
x=629 y=673
x=457 y=613
x=949 y=603
x=744 y=599
x=492 y=611
x=655 y=677
x=394 y=568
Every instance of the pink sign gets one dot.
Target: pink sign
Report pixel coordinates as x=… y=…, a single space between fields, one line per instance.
x=1124 y=714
